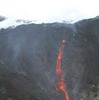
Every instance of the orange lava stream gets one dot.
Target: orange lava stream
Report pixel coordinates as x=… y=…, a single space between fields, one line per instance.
x=61 y=84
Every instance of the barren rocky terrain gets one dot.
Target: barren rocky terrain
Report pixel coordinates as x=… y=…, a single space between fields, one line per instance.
x=28 y=55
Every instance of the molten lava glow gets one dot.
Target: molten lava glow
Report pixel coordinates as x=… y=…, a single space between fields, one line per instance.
x=61 y=84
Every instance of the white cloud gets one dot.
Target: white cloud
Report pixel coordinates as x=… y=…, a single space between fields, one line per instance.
x=50 y=10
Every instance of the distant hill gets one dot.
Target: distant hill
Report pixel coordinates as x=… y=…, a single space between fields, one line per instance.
x=2 y=18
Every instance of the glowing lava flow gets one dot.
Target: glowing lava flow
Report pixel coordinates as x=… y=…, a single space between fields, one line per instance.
x=61 y=84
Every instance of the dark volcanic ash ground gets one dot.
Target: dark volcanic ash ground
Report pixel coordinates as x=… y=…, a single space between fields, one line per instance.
x=28 y=55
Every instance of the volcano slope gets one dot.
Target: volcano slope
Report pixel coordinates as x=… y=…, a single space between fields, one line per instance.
x=28 y=55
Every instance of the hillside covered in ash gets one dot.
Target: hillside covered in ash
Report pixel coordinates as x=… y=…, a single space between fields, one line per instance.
x=28 y=55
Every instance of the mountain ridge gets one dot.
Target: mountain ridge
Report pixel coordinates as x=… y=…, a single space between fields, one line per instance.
x=28 y=55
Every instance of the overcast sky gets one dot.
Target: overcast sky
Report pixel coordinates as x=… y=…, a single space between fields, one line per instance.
x=50 y=10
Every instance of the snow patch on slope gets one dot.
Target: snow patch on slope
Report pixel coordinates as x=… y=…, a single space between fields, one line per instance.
x=12 y=22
